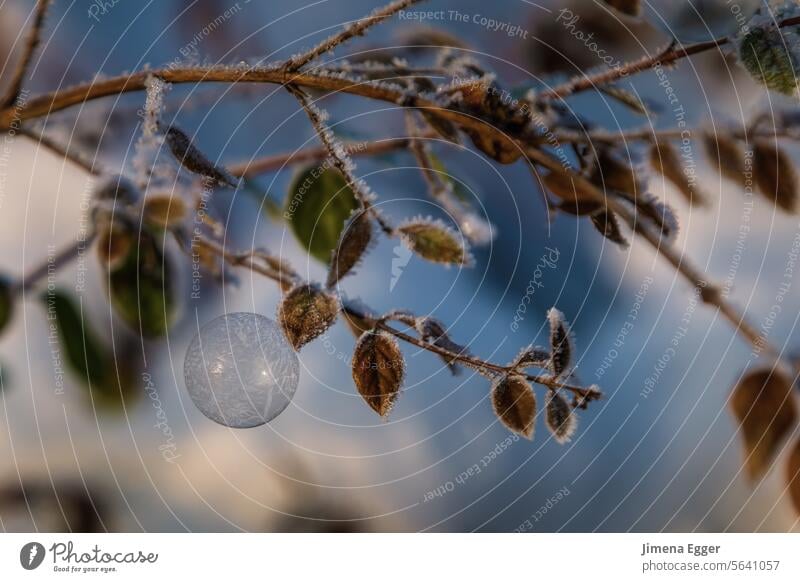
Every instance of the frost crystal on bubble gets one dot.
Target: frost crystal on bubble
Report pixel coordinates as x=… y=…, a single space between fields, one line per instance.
x=240 y=371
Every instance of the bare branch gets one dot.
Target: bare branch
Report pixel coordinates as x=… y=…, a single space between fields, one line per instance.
x=669 y=56
x=356 y=28
x=31 y=43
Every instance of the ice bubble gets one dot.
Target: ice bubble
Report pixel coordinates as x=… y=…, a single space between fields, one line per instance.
x=240 y=371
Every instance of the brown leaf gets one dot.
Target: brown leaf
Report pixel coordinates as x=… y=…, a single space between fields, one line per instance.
x=666 y=160
x=514 y=403
x=306 y=312
x=607 y=224
x=793 y=476
x=775 y=175
x=764 y=405
x=614 y=174
x=191 y=158
x=560 y=418
x=354 y=242
x=627 y=7
x=727 y=155
x=571 y=190
x=560 y=343
x=495 y=144
x=531 y=357
x=378 y=370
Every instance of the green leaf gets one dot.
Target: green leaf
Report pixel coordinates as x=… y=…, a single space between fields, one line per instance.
x=317 y=207
x=141 y=289
x=81 y=350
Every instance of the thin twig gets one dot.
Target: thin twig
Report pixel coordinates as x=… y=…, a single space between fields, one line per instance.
x=319 y=154
x=582 y=83
x=708 y=293
x=52 y=264
x=352 y=30
x=31 y=43
x=552 y=383
x=59 y=150
x=337 y=155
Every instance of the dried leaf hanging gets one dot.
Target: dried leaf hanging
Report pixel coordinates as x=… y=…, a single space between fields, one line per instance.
x=378 y=370
x=611 y=173
x=775 y=175
x=666 y=160
x=607 y=224
x=531 y=357
x=306 y=312
x=727 y=155
x=560 y=343
x=353 y=244
x=191 y=158
x=560 y=418
x=514 y=403
x=764 y=405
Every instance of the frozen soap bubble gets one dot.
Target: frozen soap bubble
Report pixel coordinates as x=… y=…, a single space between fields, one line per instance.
x=240 y=371
x=701 y=20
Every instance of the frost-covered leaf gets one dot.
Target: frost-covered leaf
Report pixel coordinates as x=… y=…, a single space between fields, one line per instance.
x=531 y=357
x=317 y=207
x=191 y=158
x=660 y=215
x=607 y=224
x=764 y=406
x=434 y=241
x=560 y=418
x=775 y=174
x=353 y=244
x=764 y=52
x=306 y=312
x=378 y=370
x=514 y=404
x=560 y=343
